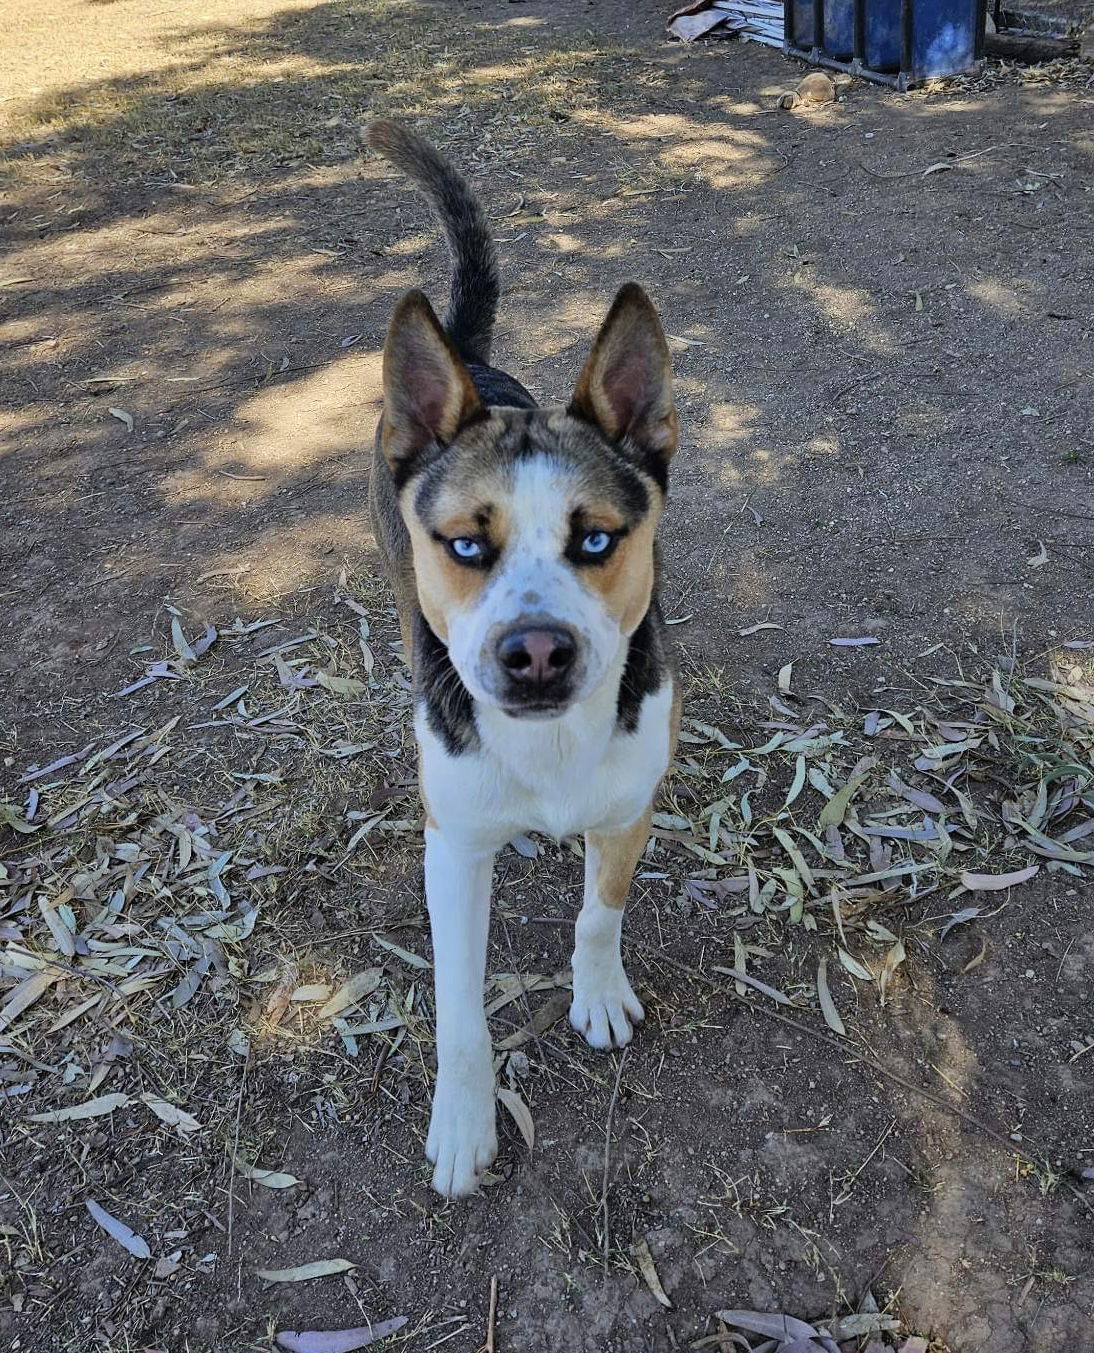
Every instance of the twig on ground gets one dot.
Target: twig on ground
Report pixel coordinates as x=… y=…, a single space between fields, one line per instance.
x=491 y=1318
x=608 y=1153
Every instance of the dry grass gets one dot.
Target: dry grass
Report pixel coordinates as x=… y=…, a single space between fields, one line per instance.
x=175 y=898
x=238 y=103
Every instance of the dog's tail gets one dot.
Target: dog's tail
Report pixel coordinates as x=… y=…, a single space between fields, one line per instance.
x=474 y=289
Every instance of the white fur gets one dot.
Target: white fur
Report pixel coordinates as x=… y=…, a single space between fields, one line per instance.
x=576 y=773
x=462 y=1140
x=534 y=579
x=604 y=1007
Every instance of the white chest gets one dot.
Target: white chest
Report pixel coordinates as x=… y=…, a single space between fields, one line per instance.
x=562 y=777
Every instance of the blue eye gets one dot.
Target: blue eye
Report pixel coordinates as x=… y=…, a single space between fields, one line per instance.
x=463 y=548
x=596 y=542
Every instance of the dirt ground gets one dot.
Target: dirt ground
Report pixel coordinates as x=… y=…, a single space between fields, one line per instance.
x=881 y=323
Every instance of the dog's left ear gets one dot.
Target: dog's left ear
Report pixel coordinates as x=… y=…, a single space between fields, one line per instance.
x=626 y=386
x=428 y=391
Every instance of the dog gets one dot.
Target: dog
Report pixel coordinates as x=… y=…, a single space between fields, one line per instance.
x=520 y=544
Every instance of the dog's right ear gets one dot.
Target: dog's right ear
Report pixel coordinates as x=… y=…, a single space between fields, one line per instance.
x=428 y=391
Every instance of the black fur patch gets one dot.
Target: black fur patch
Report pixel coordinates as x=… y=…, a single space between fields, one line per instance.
x=499 y=388
x=646 y=667
x=448 y=706
x=474 y=288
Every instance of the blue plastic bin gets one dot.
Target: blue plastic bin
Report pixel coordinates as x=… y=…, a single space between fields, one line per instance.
x=894 y=42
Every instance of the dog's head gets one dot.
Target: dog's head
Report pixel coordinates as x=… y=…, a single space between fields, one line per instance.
x=532 y=530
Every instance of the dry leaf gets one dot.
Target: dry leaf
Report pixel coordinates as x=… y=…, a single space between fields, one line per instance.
x=338 y=1341
x=521 y=1115
x=57 y=924
x=70 y=1016
x=270 y=1179
x=773 y=1325
x=827 y=1005
x=315 y=991
x=350 y=993
x=129 y=1240
x=24 y=996
x=993 y=883
x=90 y=1108
x=755 y=629
x=835 y=810
x=171 y=1114
x=182 y=648
x=785 y=673
x=893 y=959
x=854 y=967
x=1041 y=557
x=413 y=959
x=644 y=1259
x=302 y=1273
x=122 y=417
x=340 y=685
x=740 y=962
x=755 y=982
x=280 y=997
x=959 y=918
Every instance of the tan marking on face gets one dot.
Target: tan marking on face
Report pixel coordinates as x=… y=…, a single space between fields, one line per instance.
x=619 y=853
x=443 y=584
x=625 y=581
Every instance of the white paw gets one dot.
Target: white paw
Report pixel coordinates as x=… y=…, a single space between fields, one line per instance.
x=462 y=1139
x=605 y=1009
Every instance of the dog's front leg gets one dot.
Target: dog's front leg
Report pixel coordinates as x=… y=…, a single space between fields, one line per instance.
x=604 y=1007
x=462 y=1138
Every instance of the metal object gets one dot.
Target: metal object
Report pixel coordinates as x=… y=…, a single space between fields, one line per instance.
x=899 y=43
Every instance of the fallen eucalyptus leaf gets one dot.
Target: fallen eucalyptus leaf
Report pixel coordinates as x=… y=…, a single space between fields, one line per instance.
x=269 y=1179
x=644 y=1260
x=755 y=982
x=992 y=883
x=90 y=1108
x=755 y=629
x=893 y=959
x=521 y=1115
x=827 y=1005
x=302 y=1273
x=359 y=986
x=959 y=918
x=128 y=1239
x=171 y=1114
x=314 y=991
x=338 y=1341
x=415 y=960
x=24 y=996
x=854 y=967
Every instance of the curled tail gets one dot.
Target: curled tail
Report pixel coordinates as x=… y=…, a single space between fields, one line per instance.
x=474 y=288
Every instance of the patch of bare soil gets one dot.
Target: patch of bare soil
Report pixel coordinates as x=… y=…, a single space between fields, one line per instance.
x=208 y=826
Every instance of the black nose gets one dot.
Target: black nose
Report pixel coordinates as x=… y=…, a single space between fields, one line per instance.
x=537 y=656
